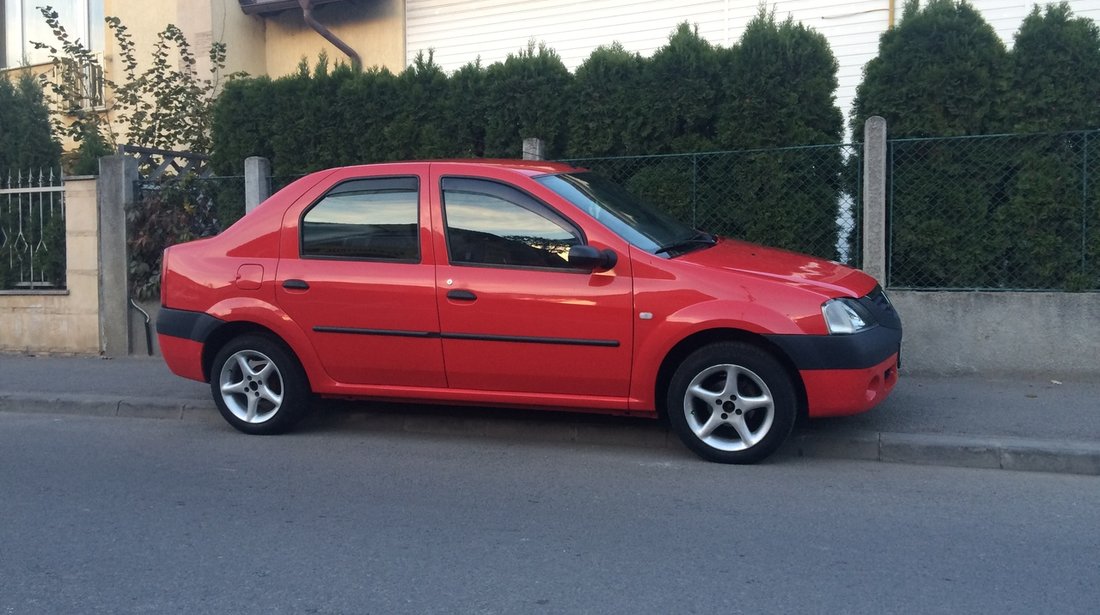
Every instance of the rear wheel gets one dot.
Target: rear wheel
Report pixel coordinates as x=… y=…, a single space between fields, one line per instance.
x=258 y=385
x=732 y=402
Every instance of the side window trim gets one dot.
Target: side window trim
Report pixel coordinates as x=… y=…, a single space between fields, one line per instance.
x=381 y=183
x=503 y=191
x=506 y=192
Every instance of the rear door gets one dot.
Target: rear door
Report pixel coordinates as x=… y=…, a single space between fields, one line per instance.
x=514 y=316
x=356 y=273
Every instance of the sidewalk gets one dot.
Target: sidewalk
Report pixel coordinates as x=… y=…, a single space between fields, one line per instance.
x=1033 y=423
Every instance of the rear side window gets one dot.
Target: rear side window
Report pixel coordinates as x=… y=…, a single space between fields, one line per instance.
x=491 y=224
x=371 y=219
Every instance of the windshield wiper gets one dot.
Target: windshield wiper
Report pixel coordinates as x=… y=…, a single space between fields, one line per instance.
x=699 y=238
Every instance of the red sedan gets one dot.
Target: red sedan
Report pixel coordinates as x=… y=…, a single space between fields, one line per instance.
x=522 y=284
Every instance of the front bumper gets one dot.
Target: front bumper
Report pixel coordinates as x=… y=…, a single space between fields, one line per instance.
x=841 y=392
x=845 y=374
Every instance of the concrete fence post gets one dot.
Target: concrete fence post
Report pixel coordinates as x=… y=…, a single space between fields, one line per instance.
x=534 y=149
x=257 y=181
x=874 y=198
x=115 y=190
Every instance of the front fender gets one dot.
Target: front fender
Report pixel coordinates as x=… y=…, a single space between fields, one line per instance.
x=655 y=339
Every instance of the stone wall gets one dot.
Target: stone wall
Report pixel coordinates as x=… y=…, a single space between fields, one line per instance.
x=62 y=321
x=1054 y=334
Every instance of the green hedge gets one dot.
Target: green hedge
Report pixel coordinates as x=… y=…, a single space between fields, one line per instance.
x=26 y=139
x=997 y=212
x=777 y=86
x=963 y=215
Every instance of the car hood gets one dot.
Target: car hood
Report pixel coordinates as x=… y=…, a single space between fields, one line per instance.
x=742 y=257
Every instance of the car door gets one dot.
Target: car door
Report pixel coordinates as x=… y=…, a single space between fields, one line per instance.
x=514 y=315
x=356 y=273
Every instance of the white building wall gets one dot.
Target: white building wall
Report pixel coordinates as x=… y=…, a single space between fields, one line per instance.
x=463 y=31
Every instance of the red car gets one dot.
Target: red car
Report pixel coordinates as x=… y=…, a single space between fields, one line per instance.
x=521 y=284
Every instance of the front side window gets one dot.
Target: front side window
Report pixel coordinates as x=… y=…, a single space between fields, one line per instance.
x=643 y=226
x=492 y=224
x=373 y=219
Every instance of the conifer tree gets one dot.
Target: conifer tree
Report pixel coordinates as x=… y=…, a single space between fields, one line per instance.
x=529 y=94
x=1054 y=87
x=680 y=94
x=779 y=86
x=1055 y=73
x=26 y=139
x=608 y=118
x=940 y=73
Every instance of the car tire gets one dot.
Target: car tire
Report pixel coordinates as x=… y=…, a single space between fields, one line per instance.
x=259 y=386
x=742 y=423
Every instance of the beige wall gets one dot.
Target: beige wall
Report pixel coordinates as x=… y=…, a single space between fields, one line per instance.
x=373 y=28
x=244 y=35
x=62 y=322
x=271 y=45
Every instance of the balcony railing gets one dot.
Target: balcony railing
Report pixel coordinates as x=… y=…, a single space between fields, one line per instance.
x=89 y=81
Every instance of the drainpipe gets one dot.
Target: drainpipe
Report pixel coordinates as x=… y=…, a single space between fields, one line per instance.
x=890 y=23
x=307 y=14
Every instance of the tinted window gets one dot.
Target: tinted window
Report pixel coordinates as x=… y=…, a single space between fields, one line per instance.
x=492 y=224
x=365 y=219
x=643 y=226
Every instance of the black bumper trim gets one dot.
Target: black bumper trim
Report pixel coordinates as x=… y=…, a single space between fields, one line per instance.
x=856 y=351
x=186 y=324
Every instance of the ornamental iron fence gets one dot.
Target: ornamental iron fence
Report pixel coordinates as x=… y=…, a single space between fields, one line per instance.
x=32 y=230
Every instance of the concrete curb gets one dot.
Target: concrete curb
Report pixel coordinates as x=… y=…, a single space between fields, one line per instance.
x=98 y=405
x=1006 y=453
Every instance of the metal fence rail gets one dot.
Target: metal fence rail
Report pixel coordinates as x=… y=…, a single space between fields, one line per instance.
x=799 y=198
x=996 y=212
x=32 y=230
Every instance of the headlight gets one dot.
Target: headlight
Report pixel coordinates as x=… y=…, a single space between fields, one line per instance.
x=846 y=315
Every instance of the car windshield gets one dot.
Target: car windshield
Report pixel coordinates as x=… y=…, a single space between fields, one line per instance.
x=643 y=226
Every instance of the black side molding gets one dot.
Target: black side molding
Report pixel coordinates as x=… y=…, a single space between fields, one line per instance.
x=186 y=324
x=477 y=337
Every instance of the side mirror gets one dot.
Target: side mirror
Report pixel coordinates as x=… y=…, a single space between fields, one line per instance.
x=587 y=257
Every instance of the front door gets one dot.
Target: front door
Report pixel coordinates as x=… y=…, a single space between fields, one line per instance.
x=514 y=316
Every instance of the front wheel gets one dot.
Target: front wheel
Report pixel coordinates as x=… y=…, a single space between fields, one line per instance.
x=732 y=402
x=259 y=386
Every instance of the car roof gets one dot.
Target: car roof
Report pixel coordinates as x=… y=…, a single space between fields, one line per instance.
x=527 y=167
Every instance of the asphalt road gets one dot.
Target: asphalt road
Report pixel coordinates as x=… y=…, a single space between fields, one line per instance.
x=139 y=515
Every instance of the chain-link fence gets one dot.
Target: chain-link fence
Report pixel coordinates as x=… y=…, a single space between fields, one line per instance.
x=1000 y=212
x=805 y=199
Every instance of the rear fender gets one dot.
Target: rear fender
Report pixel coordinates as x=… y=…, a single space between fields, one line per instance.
x=269 y=316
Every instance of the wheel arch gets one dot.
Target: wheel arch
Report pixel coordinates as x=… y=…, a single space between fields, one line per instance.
x=699 y=339
x=232 y=330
